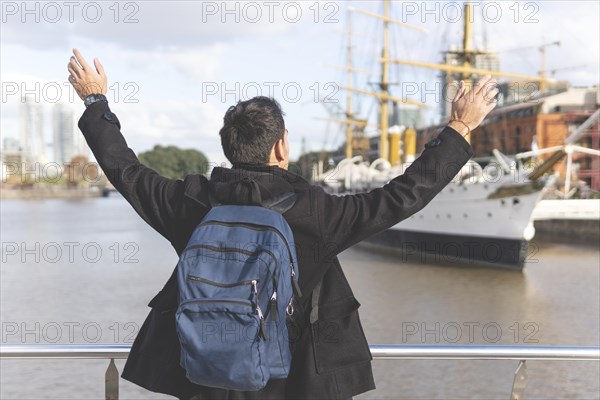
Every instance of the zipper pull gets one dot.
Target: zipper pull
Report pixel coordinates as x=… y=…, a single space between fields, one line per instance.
x=290 y=308
x=255 y=292
x=273 y=307
x=262 y=332
x=295 y=282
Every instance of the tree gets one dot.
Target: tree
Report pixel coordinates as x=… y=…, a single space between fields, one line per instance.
x=80 y=170
x=173 y=162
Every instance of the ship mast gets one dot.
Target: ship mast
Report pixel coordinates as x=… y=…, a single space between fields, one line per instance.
x=349 y=114
x=467 y=53
x=351 y=123
x=383 y=95
x=384 y=86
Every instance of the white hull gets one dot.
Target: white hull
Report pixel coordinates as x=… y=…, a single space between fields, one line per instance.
x=467 y=209
x=494 y=206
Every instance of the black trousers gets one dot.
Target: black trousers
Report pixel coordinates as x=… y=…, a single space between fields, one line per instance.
x=275 y=390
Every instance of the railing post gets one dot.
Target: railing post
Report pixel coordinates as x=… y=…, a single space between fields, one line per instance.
x=519 y=382
x=111 y=381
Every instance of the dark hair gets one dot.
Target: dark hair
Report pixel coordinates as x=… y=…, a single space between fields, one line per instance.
x=250 y=129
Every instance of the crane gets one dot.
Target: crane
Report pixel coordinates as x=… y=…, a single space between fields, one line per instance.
x=555 y=70
x=542 y=49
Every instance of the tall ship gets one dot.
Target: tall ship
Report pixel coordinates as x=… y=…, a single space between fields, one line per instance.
x=485 y=216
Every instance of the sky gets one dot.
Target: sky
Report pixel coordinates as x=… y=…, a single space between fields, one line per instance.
x=175 y=67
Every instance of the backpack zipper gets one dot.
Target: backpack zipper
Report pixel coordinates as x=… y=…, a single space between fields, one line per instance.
x=254 y=283
x=262 y=330
x=218 y=284
x=229 y=250
x=273 y=307
x=246 y=303
x=273 y=313
x=258 y=227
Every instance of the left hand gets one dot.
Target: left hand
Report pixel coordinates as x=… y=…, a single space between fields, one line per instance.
x=471 y=107
x=85 y=79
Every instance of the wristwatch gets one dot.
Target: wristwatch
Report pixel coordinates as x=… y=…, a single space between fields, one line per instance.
x=92 y=98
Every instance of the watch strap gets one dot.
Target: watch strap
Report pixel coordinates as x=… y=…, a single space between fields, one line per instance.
x=93 y=98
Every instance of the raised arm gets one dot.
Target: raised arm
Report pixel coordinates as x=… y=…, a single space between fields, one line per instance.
x=346 y=220
x=153 y=197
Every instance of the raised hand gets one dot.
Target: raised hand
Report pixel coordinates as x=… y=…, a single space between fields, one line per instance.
x=85 y=79
x=470 y=108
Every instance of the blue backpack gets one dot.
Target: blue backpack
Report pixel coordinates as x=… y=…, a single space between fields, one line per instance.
x=237 y=279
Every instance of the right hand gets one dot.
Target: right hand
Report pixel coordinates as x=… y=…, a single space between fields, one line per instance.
x=85 y=79
x=473 y=106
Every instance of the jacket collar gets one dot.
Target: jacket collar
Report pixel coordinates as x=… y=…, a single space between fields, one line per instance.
x=230 y=185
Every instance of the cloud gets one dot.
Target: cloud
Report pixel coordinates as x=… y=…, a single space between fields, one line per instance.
x=186 y=124
x=200 y=64
x=145 y=25
x=176 y=46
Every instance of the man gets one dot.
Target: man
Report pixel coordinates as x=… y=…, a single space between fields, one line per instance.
x=331 y=358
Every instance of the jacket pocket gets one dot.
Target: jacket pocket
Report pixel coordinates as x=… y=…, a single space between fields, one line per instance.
x=158 y=341
x=337 y=336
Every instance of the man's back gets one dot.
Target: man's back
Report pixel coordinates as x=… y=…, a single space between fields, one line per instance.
x=331 y=357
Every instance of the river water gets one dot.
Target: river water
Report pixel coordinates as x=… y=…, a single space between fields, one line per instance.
x=83 y=271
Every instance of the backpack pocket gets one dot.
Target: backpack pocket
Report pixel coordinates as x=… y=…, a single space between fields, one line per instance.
x=221 y=344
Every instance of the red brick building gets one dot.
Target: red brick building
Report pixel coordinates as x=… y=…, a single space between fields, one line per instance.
x=550 y=119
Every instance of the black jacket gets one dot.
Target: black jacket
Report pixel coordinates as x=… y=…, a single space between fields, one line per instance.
x=331 y=358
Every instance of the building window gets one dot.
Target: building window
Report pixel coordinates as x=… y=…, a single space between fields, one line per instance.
x=517 y=147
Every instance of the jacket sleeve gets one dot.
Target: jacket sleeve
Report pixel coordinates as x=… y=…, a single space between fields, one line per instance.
x=347 y=220
x=153 y=197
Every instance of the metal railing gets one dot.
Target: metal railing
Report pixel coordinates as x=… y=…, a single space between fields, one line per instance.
x=379 y=352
